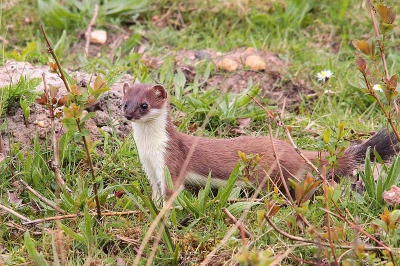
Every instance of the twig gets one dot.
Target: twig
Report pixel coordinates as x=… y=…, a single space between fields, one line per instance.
x=14 y=213
x=89 y=29
x=239 y=200
x=387 y=114
x=210 y=255
x=382 y=52
x=342 y=255
x=289 y=136
x=359 y=229
x=381 y=46
x=282 y=112
x=51 y=51
x=70 y=216
x=89 y=158
x=20 y=228
x=283 y=180
x=91 y=166
x=2 y=148
x=236 y=222
x=328 y=221
x=55 y=165
x=299 y=151
x=300 y=239
x=43 y=199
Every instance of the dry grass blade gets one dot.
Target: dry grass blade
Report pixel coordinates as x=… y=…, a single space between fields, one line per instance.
x=89 y=28
x=227 y=236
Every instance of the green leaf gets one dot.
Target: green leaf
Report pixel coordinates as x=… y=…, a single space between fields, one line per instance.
x=118 y=7
x=28 y=49
x=381 y=224
x=327 y=136
x=238 y=207
x=55 y=15
x=189 y=205
x=87 y=117
x=179 y=81
x=87 y=229
x=70 y=123
x=69 y=232
x=36 y=257
x=204 y=195
x=225 y=191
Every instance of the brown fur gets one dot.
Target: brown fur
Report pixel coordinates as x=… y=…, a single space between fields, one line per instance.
x=219 y=156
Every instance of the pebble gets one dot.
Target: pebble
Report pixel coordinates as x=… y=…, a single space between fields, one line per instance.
x=98 y=36
x=228 y=64
x=255 y=63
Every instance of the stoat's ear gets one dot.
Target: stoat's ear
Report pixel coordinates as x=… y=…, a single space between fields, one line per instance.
x=125 y=88
x=160 y=91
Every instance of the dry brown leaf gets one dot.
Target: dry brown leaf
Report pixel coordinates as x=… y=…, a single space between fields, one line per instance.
x=244 y=122
x=14 y=198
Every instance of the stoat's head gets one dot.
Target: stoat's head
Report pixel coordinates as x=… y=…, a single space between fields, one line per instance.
x=144 y=102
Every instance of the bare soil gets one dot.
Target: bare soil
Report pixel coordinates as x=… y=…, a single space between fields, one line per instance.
x=109 y=116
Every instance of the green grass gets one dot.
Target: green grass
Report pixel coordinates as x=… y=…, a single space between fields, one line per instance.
x=311 y=35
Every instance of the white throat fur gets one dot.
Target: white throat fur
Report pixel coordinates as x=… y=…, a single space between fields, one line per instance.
x=151 y=140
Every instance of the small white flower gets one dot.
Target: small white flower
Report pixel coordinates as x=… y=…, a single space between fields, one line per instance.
x=328 y=92
x=377 y=87
x=324 y=75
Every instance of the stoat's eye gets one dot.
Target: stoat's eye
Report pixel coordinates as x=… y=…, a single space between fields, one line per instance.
x=144 y=106
x=125 y=106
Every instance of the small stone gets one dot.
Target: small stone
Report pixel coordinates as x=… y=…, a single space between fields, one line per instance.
x=228 y=64
x=250 y=49
x=41 y=124
x=107 y=129
x=255 y=62
x=98 y=36
x=114 y=122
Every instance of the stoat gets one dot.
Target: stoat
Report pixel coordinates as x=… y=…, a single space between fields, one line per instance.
x=160 y=145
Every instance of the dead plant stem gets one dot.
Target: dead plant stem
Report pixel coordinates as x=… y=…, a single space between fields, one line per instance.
x=20 y=216
x=89 y=28
x=70 y=216
x=235 y=221
x=90 y=163
x=381 y=45
x=43 y=199
x=328 y=221
x=51 y=51
x=359 y=229
x=55 y=165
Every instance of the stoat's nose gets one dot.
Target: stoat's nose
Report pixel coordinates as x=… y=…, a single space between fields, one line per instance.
x=126 y=113
x=128 y=116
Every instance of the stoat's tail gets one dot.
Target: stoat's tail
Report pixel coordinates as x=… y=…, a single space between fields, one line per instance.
x=385 y=144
